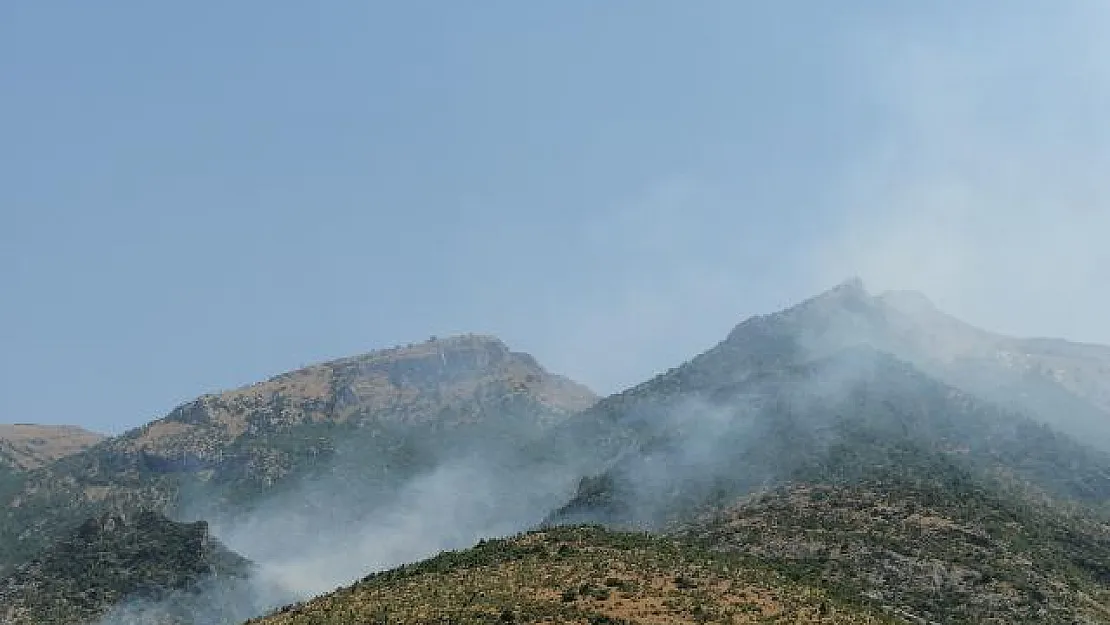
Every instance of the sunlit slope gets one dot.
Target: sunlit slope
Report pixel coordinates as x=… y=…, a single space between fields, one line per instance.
x=375 y=419
x=579 y=575
x=25 y=446
x=942 y=548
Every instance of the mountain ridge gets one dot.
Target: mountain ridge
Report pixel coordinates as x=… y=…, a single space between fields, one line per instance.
x=240 y=445
x=861 y=448
x=770 y=360
x=26 y=446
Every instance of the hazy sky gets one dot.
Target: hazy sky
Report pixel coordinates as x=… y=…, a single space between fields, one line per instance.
x=198 y=196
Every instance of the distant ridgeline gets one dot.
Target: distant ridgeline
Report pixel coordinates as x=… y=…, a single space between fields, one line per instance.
x=380 y=417
x=856 y=458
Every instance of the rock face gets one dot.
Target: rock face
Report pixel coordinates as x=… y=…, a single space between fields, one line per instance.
x=446 y=383
x=111 y=559
x=25 y=446
x=382 y=416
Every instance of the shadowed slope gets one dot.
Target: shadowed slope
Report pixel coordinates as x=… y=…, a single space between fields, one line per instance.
x=378 y=419
x=579 y=575
x=111 y=559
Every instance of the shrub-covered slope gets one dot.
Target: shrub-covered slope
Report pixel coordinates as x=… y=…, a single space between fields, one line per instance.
x=111 y=559
x=374 y=420
x=944 y=550
x=579 y=575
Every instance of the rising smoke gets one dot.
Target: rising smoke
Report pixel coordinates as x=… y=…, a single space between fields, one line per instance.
x=320 y=535
x=983 y=185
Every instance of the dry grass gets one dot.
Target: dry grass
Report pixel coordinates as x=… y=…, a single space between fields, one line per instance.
x=578 y=575
x=27 y=446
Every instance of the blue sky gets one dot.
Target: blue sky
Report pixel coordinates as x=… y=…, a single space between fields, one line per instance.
x=195 y=197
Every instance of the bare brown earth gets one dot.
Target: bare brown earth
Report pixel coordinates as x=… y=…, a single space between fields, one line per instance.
x=26 y=446
x=249 y=440
x=451 y=381
x=580 y=575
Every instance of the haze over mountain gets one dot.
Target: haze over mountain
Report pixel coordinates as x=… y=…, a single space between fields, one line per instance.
x=808 y=441
x=582 y=575
x=876 y=421
x=370 y=421
x=652 y=198
x=1063 y=383
x=881 y=455
x=115 y=558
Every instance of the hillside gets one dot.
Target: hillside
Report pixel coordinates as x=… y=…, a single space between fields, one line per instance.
x=1059 y=382
x=854 y=458
x=803 y=440
x=25 y=446
x=941 y=549
x=785 y=394
x=110 y=559
x=579 y=575
x=377 y=419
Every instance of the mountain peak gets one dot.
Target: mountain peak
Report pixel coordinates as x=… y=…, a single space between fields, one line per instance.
x=853 y=284
x=446 y=382
x=845 y=301
x=850 y=293
x=849 y=296
x=432 y=345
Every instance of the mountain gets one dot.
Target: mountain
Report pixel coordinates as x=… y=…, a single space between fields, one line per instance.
x=1062 y=383
x=807 y=392
x=112 y=559
x=376 y=419
x=580 y=575
x=25 y=446
x=809 y=439
x=244 y=435
x=853 y=458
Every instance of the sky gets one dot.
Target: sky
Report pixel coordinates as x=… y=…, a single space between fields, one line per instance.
x=198 y=196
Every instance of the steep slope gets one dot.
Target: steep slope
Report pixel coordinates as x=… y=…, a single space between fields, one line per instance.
x=936 y=547
x=440 y=384
x=580 y=575
x=1061 y=383
x=779 y=395
x=864 y=454
x=111 y=559
x=817 y=449
x=25 y=446
x=856 y=470
x=376 y=418
x=831 y=420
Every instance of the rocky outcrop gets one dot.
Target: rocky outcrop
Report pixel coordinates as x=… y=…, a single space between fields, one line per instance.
x=111 y=559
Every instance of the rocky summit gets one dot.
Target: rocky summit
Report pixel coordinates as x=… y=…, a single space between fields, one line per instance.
x=386 y=414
